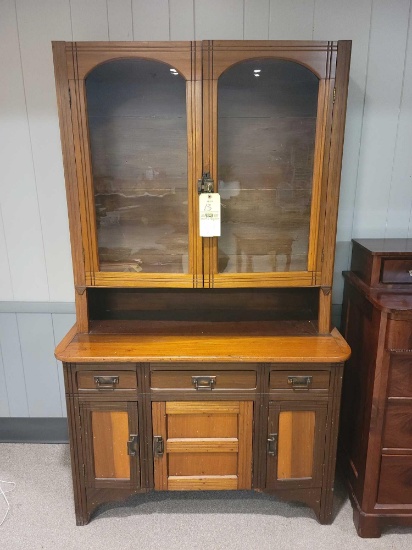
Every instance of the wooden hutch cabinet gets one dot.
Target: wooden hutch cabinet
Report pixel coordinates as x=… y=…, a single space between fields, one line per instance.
x=202 y=185
x=376 y=434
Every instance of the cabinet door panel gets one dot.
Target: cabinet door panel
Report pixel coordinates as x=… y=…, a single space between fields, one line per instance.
x=110 y=435
x=205 y=445
x=111 y=444
x=296 y=439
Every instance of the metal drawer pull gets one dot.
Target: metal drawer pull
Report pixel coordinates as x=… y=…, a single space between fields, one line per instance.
x=132 y=445
x=204 y=382
x=106 y=382
x=300 y=382
x=272 y=444
x=158 y=446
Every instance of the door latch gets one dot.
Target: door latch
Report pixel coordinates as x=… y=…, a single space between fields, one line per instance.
x=158 y=446
x=132 y=445
x=272 y=443
x=205 y=184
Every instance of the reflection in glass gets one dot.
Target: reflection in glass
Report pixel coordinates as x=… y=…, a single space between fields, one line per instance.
x=138 y=135
x=266 y=137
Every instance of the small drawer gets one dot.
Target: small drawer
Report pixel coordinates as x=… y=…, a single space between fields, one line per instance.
x=398 y=271
x=400 y=376
x=106 y=381
x=299 y=381
x=203 y=381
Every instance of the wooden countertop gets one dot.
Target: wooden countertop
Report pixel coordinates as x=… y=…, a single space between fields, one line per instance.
x=225 y=347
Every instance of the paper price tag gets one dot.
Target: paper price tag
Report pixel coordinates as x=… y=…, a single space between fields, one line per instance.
x=209 y=214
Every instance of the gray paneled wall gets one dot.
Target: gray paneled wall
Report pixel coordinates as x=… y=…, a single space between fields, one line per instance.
x=376 y=192
x=31 y=379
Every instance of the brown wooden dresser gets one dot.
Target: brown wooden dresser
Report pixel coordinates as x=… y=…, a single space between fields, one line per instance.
x=202 y=184
x=376 y=423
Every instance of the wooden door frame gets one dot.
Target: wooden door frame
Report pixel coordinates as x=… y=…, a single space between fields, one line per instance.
x=321 y=59
x=86 y=408
x=320 y=408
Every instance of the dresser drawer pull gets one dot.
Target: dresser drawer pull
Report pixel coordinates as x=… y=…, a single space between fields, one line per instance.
x=204 y=382
x=106 y=382
x=300 y=382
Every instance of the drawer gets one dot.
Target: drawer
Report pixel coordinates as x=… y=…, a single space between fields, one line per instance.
x=397 y=432
x=395 y=480
x=197 y=380
x=397 y=271
x=400 y=376
x=299 y=381
x=104 y=381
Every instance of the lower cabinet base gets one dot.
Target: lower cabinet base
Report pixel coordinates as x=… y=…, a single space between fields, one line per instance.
x=95 y=498
x=370 y=525
x=136 y=428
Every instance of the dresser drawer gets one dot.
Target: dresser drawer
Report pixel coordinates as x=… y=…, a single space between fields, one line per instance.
x=400 y=375
x=398 y=425
x=397 y=271
x=299 y=381
x=203 y=381
x=104 y=381
x=395 y=480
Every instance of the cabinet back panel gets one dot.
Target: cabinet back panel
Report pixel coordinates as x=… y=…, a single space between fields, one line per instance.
x=203 y=304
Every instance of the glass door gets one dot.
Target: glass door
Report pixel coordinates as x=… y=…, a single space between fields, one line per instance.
x=269 y=130
x=136 y=115
x=138 y=137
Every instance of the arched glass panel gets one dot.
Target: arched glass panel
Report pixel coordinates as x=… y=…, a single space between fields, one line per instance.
x=138 y=136
x=266 y=139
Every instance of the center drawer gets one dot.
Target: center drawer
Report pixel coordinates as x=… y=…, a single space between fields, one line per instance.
x=203 y=380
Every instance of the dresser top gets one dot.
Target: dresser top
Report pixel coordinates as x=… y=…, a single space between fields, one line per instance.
x=388 y=247
x=83 y=348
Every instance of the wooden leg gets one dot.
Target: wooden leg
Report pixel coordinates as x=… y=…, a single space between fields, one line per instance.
x=368 y=527
x=82 y=518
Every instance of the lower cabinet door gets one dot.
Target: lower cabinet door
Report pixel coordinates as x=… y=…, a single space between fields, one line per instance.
x=111 y=444
x=295 y=444
x=202 y=445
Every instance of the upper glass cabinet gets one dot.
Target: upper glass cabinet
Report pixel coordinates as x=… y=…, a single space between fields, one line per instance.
x=267 y=111
x=142 y=122
x=137 y=124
